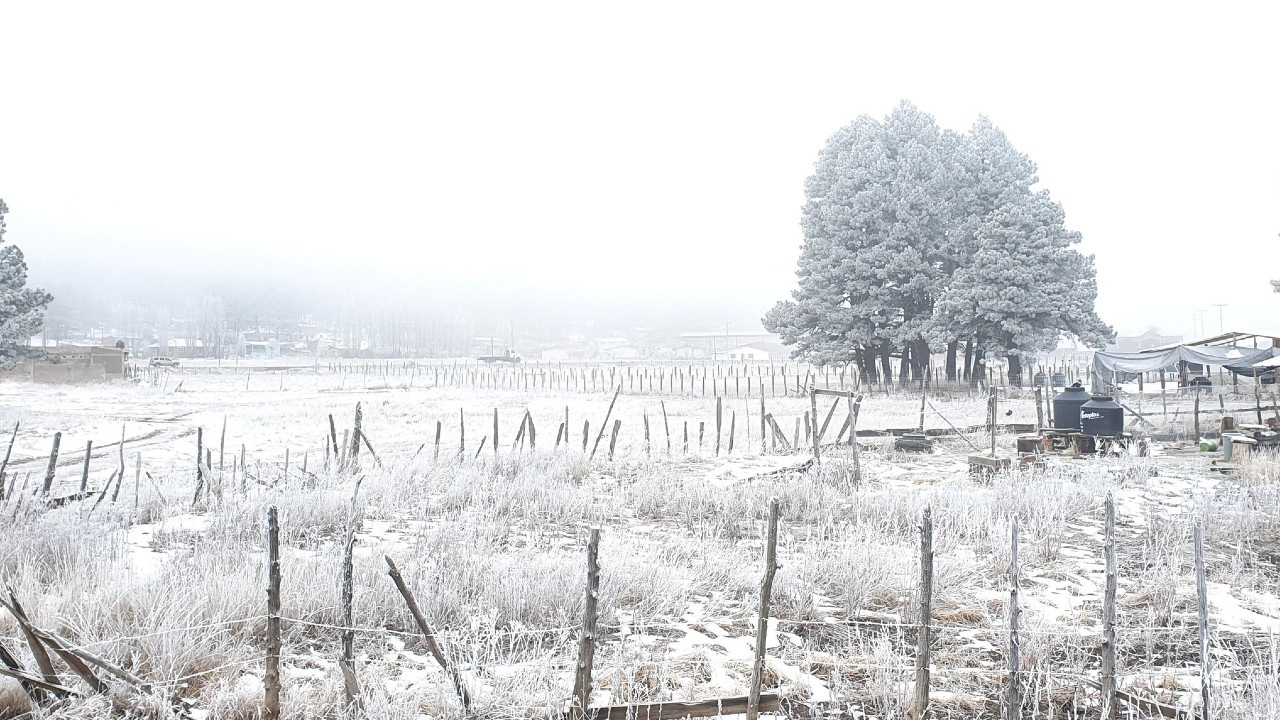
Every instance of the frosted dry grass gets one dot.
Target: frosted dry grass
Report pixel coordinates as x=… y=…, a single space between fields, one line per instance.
x=493 y=548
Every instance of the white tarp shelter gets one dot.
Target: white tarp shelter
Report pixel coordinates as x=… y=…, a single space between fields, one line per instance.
x=1209 y=351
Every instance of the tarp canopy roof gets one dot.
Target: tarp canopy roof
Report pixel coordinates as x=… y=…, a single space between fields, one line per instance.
x=1243 y=361
x=1234 y=336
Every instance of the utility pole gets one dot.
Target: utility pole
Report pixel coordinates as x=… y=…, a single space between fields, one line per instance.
x=1220 y=306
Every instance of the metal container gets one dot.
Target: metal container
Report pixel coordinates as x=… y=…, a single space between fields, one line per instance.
x=1066 y=407
x=1040 y=380
x=1059 y=380
x=1102 y=417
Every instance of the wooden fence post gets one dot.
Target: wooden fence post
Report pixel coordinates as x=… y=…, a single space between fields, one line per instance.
x=920 y=706
x=84 y=471
x=733 y=422
x=613 y=436
x=495 y=432
x=271 y=680
x=346 y=663
x=1039 y=410
x=1195 y=411
x=817 y=436
x=605 y=424
x=1109 y=614
x=53 y=464
x=762 y=619
x=992 y=406
x=1013 y=696
x=587 y=643
x=1202 y=610
x=666 y=427
x=719 y=417
x=353 y=455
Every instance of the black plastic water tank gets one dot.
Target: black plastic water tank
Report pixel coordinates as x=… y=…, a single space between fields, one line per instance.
x=1066 y=407
x=1101 y=416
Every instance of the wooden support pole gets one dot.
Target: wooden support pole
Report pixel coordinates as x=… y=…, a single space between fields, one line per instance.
x=762 y=616
x=439 y=429
x=587 y=643
x=1013 y=688
x=462 y=432
x=647 y=449
x=733 y=421
x=1039 y=411
x=495 y=432
x=1202 y=611
x=586 y=434
x=271 y=679
x=1109 y=613
x=920 y=705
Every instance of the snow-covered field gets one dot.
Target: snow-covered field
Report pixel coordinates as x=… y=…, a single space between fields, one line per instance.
x=494 y=548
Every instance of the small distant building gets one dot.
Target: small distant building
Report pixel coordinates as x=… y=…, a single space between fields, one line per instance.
x=71 y=364
x=757 y=352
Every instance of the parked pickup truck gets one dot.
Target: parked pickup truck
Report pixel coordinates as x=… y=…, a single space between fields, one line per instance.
x=508 y=357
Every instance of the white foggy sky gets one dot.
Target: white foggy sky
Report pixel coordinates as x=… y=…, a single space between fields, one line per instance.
x=629 y=150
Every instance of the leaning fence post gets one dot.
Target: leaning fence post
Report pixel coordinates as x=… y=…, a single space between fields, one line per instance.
x=762 y=620
x=271 y=679
x=1109 y=614
x=920 y=707
x=1013 y=699
x=53 y=464
x=587 y=643
x=432 y=646
x=1202 y=609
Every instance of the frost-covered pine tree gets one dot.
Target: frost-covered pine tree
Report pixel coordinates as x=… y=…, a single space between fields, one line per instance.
x=1026 y=285
x=21 y=308
x=873 y=259
x=918 y=240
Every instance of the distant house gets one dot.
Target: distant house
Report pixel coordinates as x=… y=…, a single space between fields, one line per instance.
x=262 y=348
x=178 y=348
x=757 y=352
x=555 y=355
x=621 y=352
x=1152 y=338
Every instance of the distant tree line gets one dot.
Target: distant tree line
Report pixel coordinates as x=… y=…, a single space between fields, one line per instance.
x=920 y=240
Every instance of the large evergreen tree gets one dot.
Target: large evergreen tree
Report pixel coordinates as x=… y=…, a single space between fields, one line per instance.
x=917 y=239
x=21 y=308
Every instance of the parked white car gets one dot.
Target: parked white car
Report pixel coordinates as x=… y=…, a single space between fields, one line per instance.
x=164 y=362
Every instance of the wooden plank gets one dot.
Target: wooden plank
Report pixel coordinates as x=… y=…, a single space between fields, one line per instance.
x=675 y=710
